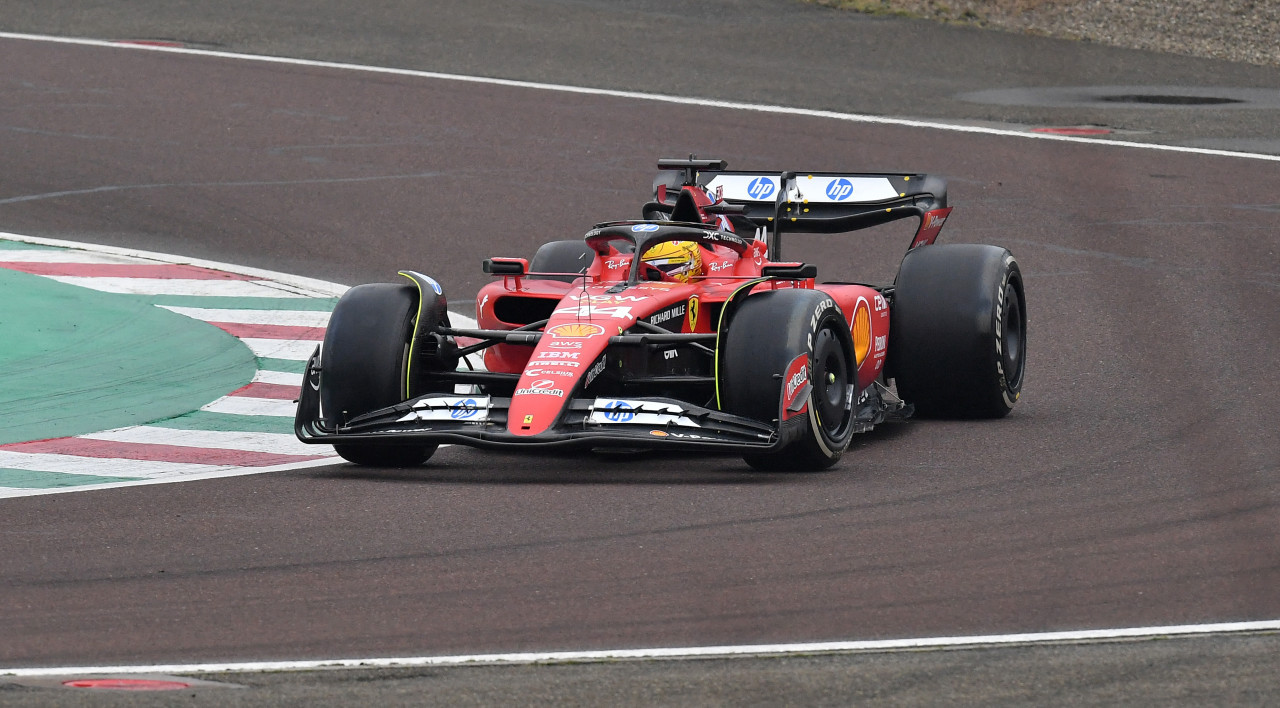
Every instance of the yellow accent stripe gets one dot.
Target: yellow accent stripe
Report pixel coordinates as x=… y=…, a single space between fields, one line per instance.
x=413 y=337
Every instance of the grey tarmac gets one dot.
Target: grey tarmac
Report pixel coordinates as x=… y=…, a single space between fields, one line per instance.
x=762 y=51
x=1134 y=485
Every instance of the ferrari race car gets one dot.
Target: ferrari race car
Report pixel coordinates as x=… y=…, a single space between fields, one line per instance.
x=683 y=329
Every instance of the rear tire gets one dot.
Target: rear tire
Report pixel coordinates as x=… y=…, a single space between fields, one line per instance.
x=957 y=339
x=766 y=336
x=363 y=366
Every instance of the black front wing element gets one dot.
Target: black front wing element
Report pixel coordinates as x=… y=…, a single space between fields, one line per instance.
x=481 y=421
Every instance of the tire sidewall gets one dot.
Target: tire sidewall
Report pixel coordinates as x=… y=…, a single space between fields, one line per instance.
x=362 y=362
x=950 y=330
x=831 y=442
x=766 y=336
x=1009 y=381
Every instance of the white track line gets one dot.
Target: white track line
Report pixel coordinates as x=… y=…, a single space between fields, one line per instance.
x=86 y=257
x=609 y=655
x=663 y=98
x=295 y=349
x=247 y=405
x=216 y=473
x=310 y=286
x=294 y=318
x=720 y=652
x=284 y=378
x=101 y=466
x=274 y=443
x=176 y=286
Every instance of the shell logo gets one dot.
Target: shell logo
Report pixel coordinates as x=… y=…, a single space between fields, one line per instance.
x=861 y=331
x=576 y=330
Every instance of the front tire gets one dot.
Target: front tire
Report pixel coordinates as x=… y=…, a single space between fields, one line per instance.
x=957 y=339
x=771 y=336
x=364 y=364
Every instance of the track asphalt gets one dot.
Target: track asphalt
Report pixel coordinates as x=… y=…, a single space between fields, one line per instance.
x=762 y=51
x=1135 y=485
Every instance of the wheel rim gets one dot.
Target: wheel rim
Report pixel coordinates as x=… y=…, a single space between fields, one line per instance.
x=1013 y=339
x=830 y=381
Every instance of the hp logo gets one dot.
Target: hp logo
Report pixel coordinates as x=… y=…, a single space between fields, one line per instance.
x=839 y=189
x=619 y=412
x=644 y=227
x=760 y=188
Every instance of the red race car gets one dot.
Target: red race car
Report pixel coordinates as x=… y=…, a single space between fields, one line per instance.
x=684 y=329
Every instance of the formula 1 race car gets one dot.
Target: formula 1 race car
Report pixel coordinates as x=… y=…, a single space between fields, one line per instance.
x=683 y=329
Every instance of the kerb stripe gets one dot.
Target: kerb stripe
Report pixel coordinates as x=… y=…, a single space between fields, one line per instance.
x=267 y=331
x=280 y=392
x=85 y=447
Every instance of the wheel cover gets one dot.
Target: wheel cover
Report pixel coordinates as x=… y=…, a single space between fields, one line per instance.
x=830 y=382
x=1013 y=338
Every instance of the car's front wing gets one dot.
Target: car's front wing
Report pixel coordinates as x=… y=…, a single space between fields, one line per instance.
x=482 y=421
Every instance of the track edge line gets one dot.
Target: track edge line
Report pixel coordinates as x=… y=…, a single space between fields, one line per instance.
x=1094 y=636
x=663 y=98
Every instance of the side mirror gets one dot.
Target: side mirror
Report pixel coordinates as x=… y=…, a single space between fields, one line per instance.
x=505 y=266
x=790 y=271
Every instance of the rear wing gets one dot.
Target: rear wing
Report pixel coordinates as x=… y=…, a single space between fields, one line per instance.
x=809 y=202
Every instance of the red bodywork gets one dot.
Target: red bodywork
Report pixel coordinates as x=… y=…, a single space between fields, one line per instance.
x=583 y=315
x=621 y=354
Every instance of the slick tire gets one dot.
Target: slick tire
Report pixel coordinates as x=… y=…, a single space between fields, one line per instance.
x=957 y=342
x=766 y=336
x=573 y=256
x=364 y=365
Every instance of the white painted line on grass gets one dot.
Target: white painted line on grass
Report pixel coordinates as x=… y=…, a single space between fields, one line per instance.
x=635 y=95
x=716 y=652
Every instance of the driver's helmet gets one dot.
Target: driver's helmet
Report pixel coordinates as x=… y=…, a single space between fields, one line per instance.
x=679 y=259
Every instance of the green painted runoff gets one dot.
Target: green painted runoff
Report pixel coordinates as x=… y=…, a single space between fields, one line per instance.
x=34 y=479
x=75 y=360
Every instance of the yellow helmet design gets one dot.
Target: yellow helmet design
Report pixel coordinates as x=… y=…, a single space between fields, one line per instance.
x=679 y=259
